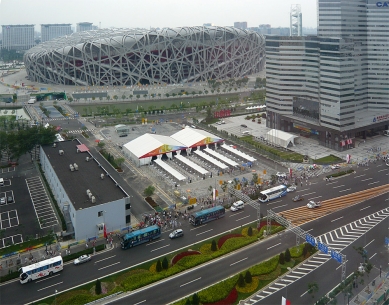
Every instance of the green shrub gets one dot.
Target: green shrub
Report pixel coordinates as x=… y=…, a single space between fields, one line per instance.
x=265 y=267
x=195 y=299
x=75 y=255
x=98 y=287
x=250 y=231
x=241 y=282
x=213 y=246
x=297 y=251
x=281 y=258
x=159 y=266
x=165 y=263
x=248 y=278
x=287 y=255
x=349 y=171
x=219 y=291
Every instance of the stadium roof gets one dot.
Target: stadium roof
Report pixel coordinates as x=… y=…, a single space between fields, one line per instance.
x=192 y=137
x=149 y=145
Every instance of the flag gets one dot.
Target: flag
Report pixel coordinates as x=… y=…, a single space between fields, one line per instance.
x=105 y=231
x=285 y=301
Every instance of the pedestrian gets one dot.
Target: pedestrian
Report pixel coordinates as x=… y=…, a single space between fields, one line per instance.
x=86 y=245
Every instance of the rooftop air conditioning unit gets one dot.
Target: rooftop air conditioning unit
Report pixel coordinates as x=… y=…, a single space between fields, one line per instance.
x=93 y=199
x=75 y=166
x=102 y=176
x=87 y=159
x=71 y=168
x=61 y=152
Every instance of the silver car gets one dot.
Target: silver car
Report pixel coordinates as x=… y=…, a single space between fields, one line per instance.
x=82 y=259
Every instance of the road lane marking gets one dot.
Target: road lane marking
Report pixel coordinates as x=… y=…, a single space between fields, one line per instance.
x=239 y=261
x=314 y=197
x=104 y=259
x=372 y=255
x=336 y=219
x=372 y=182
x=47 y=278
x=190 y=282
x=160 y=248
x=154 y=242
x=344 y=190
x=309 y=194
x=202 y=226
x=50 y=286
x=302 y=190
x=365 y=208
x=140 y=302
x=242 y=218
x=204 y=232
x=332 y=182
x=366 y=179
x=274 y=202
x=335 y=187
x=235 y=214
x=340 y=265
x=366 y=169
x=359 y=176
x=273 y=246
x=305 y=293
x=381 y=170
x=280 y=206
x=309 y=230
x=108 y=266
x=369 y=243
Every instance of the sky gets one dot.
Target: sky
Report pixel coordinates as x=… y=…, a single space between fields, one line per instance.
x=155 y=13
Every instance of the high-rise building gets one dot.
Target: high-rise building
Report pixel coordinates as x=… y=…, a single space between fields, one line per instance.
x=296 y=20
x=18 y=37
x=51 y=31
x=84 y=26
x=240 y=25
x=333 y=87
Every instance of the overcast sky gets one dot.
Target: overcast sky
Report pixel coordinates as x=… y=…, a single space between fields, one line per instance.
x=154 y=13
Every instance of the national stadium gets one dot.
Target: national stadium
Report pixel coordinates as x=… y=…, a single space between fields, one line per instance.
x=140 y=56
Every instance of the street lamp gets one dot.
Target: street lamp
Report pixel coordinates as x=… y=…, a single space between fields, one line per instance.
x=55 y=300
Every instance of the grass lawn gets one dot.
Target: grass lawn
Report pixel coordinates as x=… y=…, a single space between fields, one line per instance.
x=328 y=160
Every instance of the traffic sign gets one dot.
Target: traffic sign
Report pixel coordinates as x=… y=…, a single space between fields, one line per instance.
x=310 y=239
x=386 y=240
x=322 y=247
x=336 y=256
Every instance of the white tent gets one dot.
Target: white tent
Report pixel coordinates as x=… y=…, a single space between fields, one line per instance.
x=192 y=137
x=280 y=138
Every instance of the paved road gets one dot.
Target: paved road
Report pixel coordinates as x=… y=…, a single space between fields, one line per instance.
x=117 y=259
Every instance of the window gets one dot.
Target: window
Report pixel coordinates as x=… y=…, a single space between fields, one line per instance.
x=128 y=206
x=100 y=213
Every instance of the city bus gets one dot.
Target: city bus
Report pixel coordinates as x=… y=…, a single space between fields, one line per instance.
x=41 y=269
x=272 y=193
x=207 y=215
x=140 y=236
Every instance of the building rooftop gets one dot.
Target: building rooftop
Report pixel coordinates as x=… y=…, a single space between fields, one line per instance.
x=88 y=175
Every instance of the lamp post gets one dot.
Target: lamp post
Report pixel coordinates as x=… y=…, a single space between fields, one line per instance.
x=55 y=299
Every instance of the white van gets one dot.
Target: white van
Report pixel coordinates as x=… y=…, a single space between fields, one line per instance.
x=245 y=132
x=236 y=206
x=386 y=133
x=31 y=101
x=1 y=182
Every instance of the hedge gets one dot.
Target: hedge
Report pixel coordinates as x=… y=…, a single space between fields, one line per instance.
x=265 y=267
x=219 y=291
x=75 y=255
x=349 y=171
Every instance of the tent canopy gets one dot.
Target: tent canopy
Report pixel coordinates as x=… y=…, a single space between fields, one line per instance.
x=280 y=138
x=192 y=137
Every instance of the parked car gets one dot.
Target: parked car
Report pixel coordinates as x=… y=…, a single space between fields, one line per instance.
x=336 y=166
x=82 y=259
x=10 y=199
x=176 y=233
x=2 y=200
x=291 y=188
x=244 y=125
x=297 y=198
x=312 y=204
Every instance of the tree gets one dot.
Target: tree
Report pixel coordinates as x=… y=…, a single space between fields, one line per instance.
x=149 y=190
x=281 y=258
x=93 y=98
x=195 y=299
x=138 y=96
x=158 y=267
x=165 y=263
x=98 y=287
x=313 y=288
x=250 y=231
x=115 y=97
x=248 y=278
x=287 y=255
x=120 y=161
x=213 y=246
x=101 y=144
x=159 y=95
x=123 y=96
x=241 y=282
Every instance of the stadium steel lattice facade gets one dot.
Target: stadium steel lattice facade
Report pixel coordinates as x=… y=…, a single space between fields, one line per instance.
x=128 y=57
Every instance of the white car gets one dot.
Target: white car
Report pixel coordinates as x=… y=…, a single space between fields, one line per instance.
x=312 y=204
x=236 y=206
x=82 y=259
x=281 y=175
x=336 y=166
x=176 y=233
x=291 y=188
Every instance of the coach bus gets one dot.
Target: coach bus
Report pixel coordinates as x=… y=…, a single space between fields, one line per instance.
x=207 y=215
x=272 y=193
x=41 y=269
x=140 y=236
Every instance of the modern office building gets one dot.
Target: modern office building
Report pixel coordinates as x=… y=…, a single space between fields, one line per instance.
x=18 y=37
x=241 y=25
x=128 y=57
x=89 y=198
x=51 y=31
x=84 y=26
x=296 y=20
x=334 y=86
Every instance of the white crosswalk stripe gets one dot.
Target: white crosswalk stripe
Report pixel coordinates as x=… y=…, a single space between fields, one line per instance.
x=81 y=130
x=337 y=239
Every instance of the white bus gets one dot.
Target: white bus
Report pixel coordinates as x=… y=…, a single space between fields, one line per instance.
x=272 y=193
x=41 y=269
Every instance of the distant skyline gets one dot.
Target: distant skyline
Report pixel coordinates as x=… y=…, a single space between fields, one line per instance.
x=155 y=13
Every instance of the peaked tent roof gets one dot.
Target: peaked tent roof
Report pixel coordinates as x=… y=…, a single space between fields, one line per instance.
x=192 y=137
x=149 y=145
x=280 y=137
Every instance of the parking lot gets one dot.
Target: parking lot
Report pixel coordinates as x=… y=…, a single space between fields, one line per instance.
x=7 y=197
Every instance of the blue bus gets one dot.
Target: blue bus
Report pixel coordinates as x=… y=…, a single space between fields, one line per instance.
x=207 y=215
x=140 y=236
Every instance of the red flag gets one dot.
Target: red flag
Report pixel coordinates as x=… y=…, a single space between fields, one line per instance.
x=285 y=301
x=105 y=231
